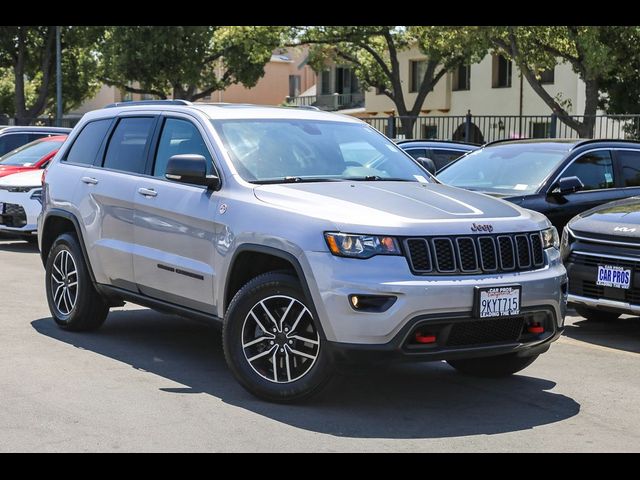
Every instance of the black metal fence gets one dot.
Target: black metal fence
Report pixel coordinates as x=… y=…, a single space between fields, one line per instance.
x=40 y=121
x=487 y=128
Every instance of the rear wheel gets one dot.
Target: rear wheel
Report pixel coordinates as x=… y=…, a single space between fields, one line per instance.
x=596 y=315
x=272 y=341
x=498 y=366
x=73 y=301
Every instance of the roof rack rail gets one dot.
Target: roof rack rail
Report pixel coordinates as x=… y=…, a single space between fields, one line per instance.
x=502 y=140
x=304 y=107
x=435 y=140
x=149 y=102
x=587 y=141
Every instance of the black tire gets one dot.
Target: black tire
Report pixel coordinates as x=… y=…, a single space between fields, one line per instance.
x=492 y=367
x=595 y=315
x=89 y=310
x=275 y=288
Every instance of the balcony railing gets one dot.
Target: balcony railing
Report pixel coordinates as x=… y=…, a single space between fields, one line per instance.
x=331 y=102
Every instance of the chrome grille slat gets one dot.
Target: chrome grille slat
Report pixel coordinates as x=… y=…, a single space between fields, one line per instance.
x=474 y=254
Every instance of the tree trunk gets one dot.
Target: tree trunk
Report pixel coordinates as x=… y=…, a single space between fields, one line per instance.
x=590 y=109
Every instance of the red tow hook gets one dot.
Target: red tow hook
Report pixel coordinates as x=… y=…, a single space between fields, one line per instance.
x=420 y=338
x=535 y=328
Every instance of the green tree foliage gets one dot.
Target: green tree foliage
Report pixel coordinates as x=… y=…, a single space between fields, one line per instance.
x=594 y=53
x=27 y=68
x=373 y=52
x=186 y=62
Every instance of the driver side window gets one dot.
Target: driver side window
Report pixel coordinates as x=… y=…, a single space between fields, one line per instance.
x=594 y=169
x=179 y=137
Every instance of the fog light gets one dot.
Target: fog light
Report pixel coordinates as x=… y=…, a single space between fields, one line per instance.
x=355 y=301
x=371 y=303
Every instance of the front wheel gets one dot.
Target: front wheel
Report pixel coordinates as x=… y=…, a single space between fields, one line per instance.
x=272 y=341
x=498 y=366
x=73 y=301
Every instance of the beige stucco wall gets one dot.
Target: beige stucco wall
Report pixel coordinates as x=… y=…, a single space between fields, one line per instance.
x=438 y=101
x=272 y=88
x=482 y=99
x=104 y=96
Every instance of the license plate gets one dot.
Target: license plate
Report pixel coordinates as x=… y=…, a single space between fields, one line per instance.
x=616 y=277
x=497 y=301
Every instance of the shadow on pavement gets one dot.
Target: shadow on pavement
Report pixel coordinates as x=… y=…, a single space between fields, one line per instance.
x=621 y=334
x=404 y=401
x=19 y=245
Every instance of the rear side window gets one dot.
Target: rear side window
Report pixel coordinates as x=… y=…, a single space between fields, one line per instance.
x=594 y=169
x=630 y=167
x=417 y=152
x=87 y=143
x=12 y=141
x=127 y=147
x=36 y=136
x=443 y=157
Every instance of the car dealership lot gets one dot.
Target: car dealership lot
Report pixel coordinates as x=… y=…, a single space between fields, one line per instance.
x=153 y=382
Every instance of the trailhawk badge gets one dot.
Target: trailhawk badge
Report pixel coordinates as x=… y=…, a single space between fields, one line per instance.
x=481 y=227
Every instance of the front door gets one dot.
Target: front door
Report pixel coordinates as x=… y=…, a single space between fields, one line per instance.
x=174 y=226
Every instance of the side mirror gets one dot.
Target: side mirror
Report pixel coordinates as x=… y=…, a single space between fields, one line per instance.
x=428 y=164
x=190 y=168
x=568 y=185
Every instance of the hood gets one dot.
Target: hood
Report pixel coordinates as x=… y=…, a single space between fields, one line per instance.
x=11 y=169
x=619 y=218
x=29 y=178
x=402 y=207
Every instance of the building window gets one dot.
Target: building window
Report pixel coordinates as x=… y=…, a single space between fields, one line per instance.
x=501 y=72
x=462 y=78
x=429 y=131
x=325 y=82
x=540 y=129
x=294 y=85
x=379 y=91
x=547 y=77
x=416 y=71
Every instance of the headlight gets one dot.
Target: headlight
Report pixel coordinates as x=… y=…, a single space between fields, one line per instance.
x=21 y=189
x=361 y=246
x=550 y=238
x=564 y=243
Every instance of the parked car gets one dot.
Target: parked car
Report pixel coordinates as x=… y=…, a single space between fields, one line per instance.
x=442 y=152
x=32 y=156
x=14 y=137
x=559 y=178
x=21 y=203
x=601 y=249
x=268 y=221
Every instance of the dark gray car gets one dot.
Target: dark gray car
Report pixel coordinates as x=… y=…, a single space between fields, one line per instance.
x=14 y=137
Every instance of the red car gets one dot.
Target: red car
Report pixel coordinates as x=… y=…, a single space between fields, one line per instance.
x=31 y=156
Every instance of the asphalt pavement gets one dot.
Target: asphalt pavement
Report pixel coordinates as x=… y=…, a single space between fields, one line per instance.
x=153 y=382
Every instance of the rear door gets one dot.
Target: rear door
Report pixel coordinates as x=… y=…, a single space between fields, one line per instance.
x=174 y=229
x=106 y=197
x=628 y=169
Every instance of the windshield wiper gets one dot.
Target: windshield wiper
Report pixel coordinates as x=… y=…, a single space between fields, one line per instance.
x=297 y=180
x=377 y=178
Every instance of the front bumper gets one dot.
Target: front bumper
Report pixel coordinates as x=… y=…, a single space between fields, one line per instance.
x=419 y=298
x=582 y=267
x=21 y=213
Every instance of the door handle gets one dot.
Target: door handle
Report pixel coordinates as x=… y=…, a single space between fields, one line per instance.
x=90 y=180
x=147 y=192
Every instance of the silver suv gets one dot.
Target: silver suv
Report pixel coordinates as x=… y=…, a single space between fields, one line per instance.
x=310 y=236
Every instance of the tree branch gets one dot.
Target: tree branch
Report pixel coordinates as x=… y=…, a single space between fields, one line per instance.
x=47 y=70
x=130 y=89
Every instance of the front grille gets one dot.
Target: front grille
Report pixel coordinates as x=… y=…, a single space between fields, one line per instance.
x=475 y=254
x=13 y=216
x=485 y=331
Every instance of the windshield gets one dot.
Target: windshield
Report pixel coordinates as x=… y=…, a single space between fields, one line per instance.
x=30 y=153
x=275 y=151
x=506 y=169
